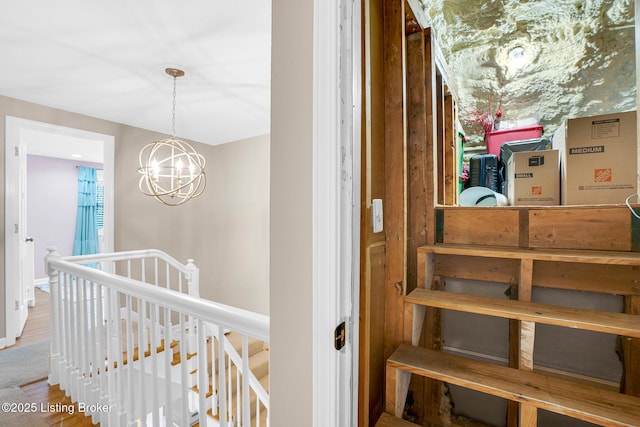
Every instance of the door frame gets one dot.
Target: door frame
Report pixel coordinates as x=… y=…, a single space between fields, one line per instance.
x=13 y=130
x=336 y=207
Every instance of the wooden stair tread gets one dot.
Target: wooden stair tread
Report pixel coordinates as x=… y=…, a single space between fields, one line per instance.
x=608 y=322
x=561 y=255
x=552 y=394
x=147 y=353
x=177 y=358
x=387 y=420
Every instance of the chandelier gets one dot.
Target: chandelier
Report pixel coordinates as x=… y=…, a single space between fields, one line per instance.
x=172 y=171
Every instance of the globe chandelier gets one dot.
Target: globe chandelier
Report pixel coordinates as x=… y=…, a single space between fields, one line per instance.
x=172 y=171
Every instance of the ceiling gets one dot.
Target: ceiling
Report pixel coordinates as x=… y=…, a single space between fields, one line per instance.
x=106 y=59
x=63 y=143
x=543 y=61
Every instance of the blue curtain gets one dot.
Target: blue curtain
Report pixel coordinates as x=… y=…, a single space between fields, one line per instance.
x=86 y=238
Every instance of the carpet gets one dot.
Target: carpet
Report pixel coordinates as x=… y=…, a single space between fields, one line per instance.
x=19 y=366
x=23 y=365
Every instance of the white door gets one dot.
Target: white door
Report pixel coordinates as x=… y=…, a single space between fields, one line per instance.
x=18 y=261
x=15 y=238
x=25 y=254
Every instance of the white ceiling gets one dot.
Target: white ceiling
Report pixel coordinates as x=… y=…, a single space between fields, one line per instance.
x=106 y=59
x=62 y=145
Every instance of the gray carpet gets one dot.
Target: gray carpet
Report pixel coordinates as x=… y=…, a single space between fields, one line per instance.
x=23 y=365
x=19 y=366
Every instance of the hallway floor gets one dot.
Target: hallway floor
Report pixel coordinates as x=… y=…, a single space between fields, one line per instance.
x=37 y=329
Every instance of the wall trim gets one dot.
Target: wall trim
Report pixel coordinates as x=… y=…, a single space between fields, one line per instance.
x=13 y=127
x=336 y=213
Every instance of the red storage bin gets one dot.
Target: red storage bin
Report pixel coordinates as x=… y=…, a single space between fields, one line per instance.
x=496 y=138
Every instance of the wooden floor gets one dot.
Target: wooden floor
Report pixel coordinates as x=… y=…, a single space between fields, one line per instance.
x=37 y=328
x=59 y=412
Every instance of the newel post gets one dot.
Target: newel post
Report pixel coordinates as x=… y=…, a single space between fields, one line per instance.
x=193 y=288
x=55 y=345
x=193 y=281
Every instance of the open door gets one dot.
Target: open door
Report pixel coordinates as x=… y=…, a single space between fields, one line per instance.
x=25 y=247
x=19 y=259
x=16 y=263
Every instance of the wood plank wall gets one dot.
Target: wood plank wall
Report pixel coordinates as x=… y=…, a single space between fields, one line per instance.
x=395 y=206
x=420 y=194
x=419 y=114
x=373 y=248
x=409 y=161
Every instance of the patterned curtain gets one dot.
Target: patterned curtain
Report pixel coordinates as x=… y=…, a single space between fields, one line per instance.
x=86 y=238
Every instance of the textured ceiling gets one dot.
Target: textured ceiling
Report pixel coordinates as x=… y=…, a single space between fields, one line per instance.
x=577 y=57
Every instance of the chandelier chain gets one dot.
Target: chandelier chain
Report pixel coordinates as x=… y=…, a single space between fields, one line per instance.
x=173 y=110
x=171 y=170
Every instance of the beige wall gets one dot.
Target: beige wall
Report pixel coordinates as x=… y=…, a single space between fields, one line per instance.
x=225 y=230
x=291 y=387
x=238 y=178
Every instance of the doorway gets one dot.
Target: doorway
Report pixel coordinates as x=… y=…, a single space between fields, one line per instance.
x=30 y=137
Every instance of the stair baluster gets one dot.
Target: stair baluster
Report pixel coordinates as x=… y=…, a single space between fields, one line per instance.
x=141 y=349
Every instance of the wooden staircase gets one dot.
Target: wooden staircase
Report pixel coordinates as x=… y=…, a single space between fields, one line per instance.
x=526 y=389
x=258 y=365
x=133 y=336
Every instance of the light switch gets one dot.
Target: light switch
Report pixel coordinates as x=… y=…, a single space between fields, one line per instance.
x=376 y=212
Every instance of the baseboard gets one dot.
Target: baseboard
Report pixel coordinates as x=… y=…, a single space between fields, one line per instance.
x=41 y=281
x=3 y=342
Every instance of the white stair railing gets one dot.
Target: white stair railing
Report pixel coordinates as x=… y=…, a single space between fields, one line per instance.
x=236 y=396
x=150 y=266
x=128 y=352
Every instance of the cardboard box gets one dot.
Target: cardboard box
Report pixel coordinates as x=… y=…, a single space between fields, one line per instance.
x=533 y=178
x=597 y=159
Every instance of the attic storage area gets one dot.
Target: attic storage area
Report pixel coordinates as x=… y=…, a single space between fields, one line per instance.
x=479 y=316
